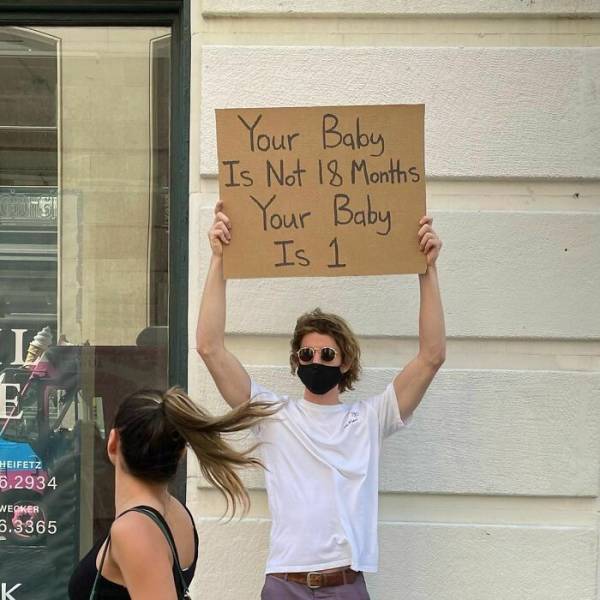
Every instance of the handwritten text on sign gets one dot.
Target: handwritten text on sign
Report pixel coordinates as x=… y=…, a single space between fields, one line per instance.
x=322 y=190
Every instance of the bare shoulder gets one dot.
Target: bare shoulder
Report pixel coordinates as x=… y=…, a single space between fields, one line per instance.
x=143 y=557
x=138 y=534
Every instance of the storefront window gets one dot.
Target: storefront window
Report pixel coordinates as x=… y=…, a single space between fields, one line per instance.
x=84 y=281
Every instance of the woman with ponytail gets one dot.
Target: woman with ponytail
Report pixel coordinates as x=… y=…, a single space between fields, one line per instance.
x=152 y=548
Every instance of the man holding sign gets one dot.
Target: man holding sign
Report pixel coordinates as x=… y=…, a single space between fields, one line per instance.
x=322 y=455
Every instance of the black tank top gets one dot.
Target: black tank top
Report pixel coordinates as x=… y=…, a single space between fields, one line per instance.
x=82 y=580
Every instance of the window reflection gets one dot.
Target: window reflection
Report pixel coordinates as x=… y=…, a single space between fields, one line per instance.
x=28 y=108
x=84 y=196
x=28 y=188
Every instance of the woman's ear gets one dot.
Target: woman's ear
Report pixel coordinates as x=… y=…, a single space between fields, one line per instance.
x=113 y=445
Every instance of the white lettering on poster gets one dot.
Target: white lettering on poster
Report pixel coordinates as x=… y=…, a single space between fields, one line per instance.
x=9 y=404
x=19 y=334
x=20 y=464
x=18 y=346
x=20 y=509
x=7 y=594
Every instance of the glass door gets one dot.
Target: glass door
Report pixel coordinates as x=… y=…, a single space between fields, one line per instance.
x=84 y=278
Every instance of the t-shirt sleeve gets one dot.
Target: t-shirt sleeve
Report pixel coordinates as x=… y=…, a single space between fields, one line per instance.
x=388 y=412
x=262 y=394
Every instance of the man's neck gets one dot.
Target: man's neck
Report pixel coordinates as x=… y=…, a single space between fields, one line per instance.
x=331 y=397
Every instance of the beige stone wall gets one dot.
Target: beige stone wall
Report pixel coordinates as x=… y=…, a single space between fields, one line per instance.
x=493 y=493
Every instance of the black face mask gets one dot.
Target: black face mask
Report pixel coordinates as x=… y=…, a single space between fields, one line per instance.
x=319 y=378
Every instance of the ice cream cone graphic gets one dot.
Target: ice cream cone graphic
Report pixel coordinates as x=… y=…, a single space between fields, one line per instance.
x=40 y=343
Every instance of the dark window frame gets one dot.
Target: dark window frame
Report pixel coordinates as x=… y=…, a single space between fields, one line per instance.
x=176 y=15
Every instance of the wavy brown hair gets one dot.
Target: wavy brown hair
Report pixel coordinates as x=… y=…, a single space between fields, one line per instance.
x=155 y=426
x=333 y=325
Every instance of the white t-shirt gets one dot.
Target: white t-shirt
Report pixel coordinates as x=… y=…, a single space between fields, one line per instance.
x=322 y=480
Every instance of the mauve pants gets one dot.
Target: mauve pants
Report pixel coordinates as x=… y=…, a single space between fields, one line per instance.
x=279 y=589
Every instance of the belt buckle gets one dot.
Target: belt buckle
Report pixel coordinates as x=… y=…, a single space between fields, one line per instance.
x=310 y=576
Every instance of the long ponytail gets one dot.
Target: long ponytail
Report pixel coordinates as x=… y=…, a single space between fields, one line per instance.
x=155 y=426
x=218 y=460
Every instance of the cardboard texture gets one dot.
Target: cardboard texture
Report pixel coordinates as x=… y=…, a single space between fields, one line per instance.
x=322 y=191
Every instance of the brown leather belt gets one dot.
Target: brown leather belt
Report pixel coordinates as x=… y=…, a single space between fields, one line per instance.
x=318 y=579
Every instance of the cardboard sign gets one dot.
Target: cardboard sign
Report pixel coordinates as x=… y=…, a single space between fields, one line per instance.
x=322 y=191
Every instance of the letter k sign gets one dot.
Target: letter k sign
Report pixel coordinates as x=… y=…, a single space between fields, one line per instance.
x=8 y=594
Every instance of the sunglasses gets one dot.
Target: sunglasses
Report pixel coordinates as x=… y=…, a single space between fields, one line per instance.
x=306 y=354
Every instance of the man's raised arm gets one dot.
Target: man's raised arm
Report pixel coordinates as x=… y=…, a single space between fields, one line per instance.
x=411 y=384
x=228 y=373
